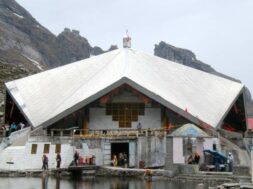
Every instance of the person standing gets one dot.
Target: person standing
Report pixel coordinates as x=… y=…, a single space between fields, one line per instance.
x=22 y=125
x=121 y=159
x=13 y=127
x=230 y=160
x=125 y=159
x=139 y=126
x=7 y=129
x=44 y=162
x=76 y=158
x=148 y=175
x=3 y=130
x=190 y=159
x=114 y=160
x=196 y=158
x=58 y=160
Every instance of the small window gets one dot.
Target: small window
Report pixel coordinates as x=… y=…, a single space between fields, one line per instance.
x=58 y=148
x=46 y=148
x=34 y=149
x=214 y=147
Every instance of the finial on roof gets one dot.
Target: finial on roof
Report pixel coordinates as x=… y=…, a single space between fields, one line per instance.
x=127 y=40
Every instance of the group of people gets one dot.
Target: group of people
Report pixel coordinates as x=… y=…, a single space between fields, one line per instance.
x=58 y=158
x=8 y=129
x=78 y=160
x=194 y=158
x=121 y=161
x=45 y=161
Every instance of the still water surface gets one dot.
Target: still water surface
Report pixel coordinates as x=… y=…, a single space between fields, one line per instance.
x=91 y=182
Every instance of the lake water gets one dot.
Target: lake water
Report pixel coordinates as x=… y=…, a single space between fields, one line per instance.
x=91 y=182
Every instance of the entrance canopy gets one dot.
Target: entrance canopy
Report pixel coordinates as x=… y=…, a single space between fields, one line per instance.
x=46 y=97
x=189 y=130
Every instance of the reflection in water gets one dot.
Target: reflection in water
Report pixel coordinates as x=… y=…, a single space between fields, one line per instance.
x=75 y=184
x=93 y=183
x=57 y=185
x=119 y=183
x=147 y=184
x=44 y=179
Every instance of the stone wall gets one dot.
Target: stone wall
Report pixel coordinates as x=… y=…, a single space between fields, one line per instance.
x=152 y=150
x=241 y=170
x=119 y=172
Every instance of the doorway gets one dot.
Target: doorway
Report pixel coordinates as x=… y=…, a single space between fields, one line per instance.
x=120 y=148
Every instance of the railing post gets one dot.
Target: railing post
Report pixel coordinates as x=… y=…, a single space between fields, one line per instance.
x=52 y=133
x=45 y=132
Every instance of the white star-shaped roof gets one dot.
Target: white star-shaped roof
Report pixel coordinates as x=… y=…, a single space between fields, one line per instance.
x=46 y=97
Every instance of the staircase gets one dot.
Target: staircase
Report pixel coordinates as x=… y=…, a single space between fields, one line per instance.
x=17 y=138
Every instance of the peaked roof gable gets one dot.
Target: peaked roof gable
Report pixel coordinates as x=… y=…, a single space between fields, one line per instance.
x=189 y=130
x=50 y=95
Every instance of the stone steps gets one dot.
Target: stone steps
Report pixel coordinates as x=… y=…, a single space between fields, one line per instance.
x=224 y=177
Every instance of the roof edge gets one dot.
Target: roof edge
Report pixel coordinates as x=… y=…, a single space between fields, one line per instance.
x=230 y=106
x=17 y=104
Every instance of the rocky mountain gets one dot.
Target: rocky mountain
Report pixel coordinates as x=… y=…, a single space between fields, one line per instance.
x=188 y=58
x=26 y=47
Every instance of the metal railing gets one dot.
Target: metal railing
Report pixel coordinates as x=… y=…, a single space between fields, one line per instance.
x=102 y=133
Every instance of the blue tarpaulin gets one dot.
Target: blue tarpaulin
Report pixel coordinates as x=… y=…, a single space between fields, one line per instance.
x=218 y=157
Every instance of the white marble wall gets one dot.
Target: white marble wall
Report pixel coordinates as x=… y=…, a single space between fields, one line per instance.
x=99 y=120
x=178 y=156
x=23 y=159
x=208 y=143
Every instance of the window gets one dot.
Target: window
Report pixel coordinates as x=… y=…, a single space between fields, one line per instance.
x=34 y=149
x=58 y=148
x=125 y=113
x=46 y=148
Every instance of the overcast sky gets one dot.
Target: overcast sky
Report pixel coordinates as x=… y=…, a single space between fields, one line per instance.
x=219 y=32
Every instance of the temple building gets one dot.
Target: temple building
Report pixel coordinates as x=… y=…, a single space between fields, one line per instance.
x=123 y=101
